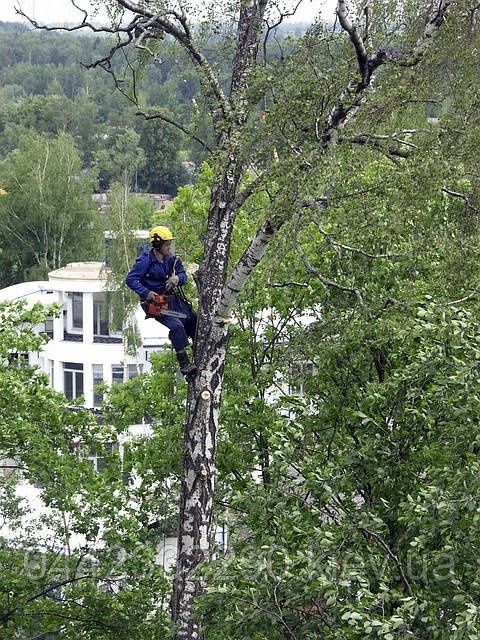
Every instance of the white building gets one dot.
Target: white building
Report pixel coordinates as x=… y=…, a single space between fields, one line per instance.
x=83 y=352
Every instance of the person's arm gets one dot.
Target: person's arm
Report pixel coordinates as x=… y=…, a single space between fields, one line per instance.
x=137 y=272
x=180 y=272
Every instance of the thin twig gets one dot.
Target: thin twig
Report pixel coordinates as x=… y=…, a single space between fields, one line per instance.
x=345 y=247
x=462 y=196
x=327 y=282
x=383 y=545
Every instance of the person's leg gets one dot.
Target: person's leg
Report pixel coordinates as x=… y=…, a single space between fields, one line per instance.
x=178 y=338
x=177 y=334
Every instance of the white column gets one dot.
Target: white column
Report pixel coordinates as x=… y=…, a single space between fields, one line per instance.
x=58 y=323
x=107 y=372
x=58 y=375
x=88 y=383
x=88 y=317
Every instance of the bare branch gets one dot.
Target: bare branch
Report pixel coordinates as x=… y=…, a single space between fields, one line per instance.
x=83 y=25
x=272 y=27
x=356 y=92
x=158 y=21
x=165 y=118
x=429 y=32
x=356 y=39
x=383 y=545
x=462 y=196
x=247 y=263
x=375 y=142
x=331 y=284
x=328 y=236
x=471 y=296
x=288 y=284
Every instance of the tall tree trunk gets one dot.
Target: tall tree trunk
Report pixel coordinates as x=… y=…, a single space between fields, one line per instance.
x=203 y=407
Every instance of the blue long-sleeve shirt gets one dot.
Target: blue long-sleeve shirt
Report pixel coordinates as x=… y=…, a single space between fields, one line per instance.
x=148 y=274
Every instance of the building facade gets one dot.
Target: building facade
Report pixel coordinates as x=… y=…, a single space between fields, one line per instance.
x=83 y=351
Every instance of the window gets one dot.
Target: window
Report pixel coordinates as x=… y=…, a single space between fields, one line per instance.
x=9 y=467
x=77 y=310
x=133 y=370
x=117 y=373
x=100 y=318
x=96 y=457
x=97 y=370
x=300 y=373
x=72 y=380
x=18 y=358
x=48 y=326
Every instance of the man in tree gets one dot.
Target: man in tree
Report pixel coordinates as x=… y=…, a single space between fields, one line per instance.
x=160 y=272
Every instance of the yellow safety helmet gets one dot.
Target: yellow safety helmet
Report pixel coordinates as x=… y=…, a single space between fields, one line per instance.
x=3 y=192
x=160 y=233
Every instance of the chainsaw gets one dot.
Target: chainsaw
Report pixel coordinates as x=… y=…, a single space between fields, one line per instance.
x=159 y=306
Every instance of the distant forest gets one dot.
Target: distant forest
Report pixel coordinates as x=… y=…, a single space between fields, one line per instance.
x=46 y=87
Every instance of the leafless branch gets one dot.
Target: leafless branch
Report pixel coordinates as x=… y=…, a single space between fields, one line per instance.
x=462 y=196
x=354 y=95
x=158 y=21
x=376 y=143
x=356 y=39
x=272 y=27
x=331 y=284
x=165 y=118
x=85 y=24
x=428 y=33
x=288 y=284
x=328 y=236
x=106 y=61
x=383 y=545
x=471 y=296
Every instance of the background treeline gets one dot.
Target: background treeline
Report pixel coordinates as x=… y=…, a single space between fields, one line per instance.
x=46 y=89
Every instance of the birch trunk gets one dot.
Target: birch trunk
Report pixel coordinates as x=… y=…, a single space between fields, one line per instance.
x=203 y=408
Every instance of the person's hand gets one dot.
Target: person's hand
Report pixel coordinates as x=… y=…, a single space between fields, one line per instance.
x=171 y=283
x=151 y=296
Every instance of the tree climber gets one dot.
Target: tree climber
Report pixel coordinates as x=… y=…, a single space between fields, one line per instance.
x=161 y=272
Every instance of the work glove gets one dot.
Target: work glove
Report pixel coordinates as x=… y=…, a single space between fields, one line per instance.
x=150 y=296
x=171 y=283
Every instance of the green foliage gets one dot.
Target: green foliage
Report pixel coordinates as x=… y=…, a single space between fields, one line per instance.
x=127 y=214
x=76 y=556
x=352 y=509
x=162 y=171
x=120 y=157
x=187 y=216
x=47 y=214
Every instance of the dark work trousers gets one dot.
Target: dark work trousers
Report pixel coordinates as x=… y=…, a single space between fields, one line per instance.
x=180 y=329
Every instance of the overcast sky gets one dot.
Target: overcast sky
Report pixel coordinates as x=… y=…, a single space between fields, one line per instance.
x=61 y=11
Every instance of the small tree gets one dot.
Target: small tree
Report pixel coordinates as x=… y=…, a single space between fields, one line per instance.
x=47 y=216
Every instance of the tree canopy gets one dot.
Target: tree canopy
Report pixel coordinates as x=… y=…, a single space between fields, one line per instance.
x=333 y=422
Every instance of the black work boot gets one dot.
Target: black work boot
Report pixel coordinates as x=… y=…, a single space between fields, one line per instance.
x=186 y=367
